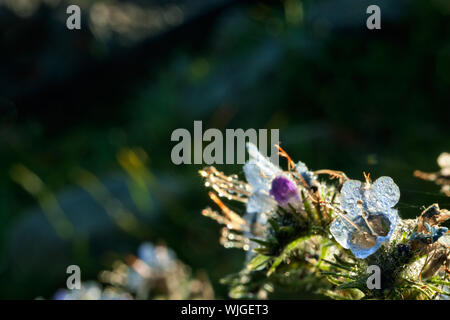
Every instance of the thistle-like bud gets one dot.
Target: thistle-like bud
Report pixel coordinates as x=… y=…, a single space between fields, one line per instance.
x=285 y=192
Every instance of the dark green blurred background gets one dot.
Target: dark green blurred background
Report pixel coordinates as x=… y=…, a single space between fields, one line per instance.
x=87 y=116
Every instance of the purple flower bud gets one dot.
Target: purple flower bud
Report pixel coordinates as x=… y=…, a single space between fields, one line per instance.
x=284 y=191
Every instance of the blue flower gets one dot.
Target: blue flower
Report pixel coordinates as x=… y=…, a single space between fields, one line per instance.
x=307 y=175
x=259 y=173
x=267 y=182
x=271 y=186
x=370 y=218
x=434 y=233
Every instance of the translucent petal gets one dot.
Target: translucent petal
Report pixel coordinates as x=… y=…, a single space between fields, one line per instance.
x=259 y=171
x=350 y=194
x=260 y=201
x=383 y=195
x=341 y=232
x=392 y=215
x=362 y=253
x=262 y=161
x=256 y=222
x=258 y=176
x=258 y=156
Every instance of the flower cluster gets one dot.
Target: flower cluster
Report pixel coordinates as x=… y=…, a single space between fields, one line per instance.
x=155 y=273
x=295 y=225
